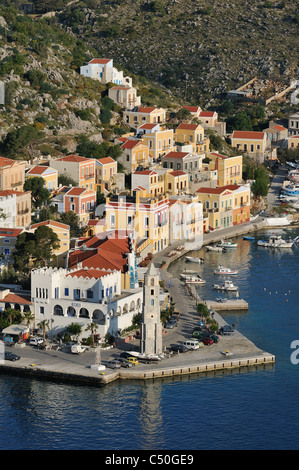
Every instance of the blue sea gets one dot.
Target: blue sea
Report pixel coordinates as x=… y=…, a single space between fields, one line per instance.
x=247 y=409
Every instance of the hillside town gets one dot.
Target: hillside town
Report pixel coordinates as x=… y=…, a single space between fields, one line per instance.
x=96 y=233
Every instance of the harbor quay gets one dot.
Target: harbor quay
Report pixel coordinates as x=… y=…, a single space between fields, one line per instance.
x=231 y=352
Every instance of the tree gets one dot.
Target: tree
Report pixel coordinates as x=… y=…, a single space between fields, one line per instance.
x=74 y=329
x=261 y=185
x=71 y=219
x=20 y=139
x=47 y=242
x=44 y=325
x=37 y=248
x=92 y=327
x=39 y=193
x=29 y=319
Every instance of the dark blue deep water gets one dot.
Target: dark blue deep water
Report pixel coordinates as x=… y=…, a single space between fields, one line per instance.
x=246 y=409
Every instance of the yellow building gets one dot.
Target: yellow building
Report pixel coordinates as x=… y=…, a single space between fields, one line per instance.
x=208 y=118
x=63 y=233
x=106 y=169
x=293 y=141
x=225 y=206
x=255 y=144
x=144 y=114
x=229 y=169
x=12 y=174
x=176 y=182
x=48 y=174
x=192 y=134
x=159 y=141
x=134 y=154
x=146 y=216
x=185 y=218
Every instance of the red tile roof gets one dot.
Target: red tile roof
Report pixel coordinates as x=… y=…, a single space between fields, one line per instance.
x=106 y=160
x=39 y=170
x=73 y=158
x=148 y=125
x=17 y=299
x=248 y=135
x=177 y=173
x=10 y=232
x=207 y=113
x=99 y=61
x=8 y=161
x=88 y=273
x=146 y=109
x=176 y=155
x=192 y=109
x=145 y=172
x=50 y=222
x=107 y=253
x=75 y=191
x=219 y=190
x=129 y=144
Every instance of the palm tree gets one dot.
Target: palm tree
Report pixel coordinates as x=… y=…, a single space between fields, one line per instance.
x=44 y=324
x=93 y=328
x=29 y=318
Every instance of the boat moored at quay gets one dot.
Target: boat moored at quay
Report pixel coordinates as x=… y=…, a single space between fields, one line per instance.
x=276 y=241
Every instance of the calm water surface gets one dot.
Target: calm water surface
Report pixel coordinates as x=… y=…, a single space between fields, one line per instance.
x=246 y=409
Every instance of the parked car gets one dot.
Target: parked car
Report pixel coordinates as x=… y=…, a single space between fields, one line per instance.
x=226 y=330
x=8 y=356
x=192 y=344
x=77 y=348
x=124 y=363
x=178 y=348
x=133 y=360
x=206 y=341
x=114 y=364
x=35 y=341
x=170 y=324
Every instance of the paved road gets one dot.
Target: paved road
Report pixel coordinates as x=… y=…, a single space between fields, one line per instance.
x=275 y=187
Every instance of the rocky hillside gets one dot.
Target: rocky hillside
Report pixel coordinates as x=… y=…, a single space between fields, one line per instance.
x=206 y=47
x=47 y=102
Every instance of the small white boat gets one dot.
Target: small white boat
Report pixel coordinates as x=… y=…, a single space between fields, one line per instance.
x=227 y=286
x=194 y=260
x=194 y=280
x=214 y=248
x=227 y=244
x=275 y=241
x=223 y=270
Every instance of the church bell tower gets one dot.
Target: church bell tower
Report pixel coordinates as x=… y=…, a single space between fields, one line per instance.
x=151 y=327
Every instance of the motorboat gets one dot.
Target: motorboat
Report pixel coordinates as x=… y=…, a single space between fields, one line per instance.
x=227 y=286
x=248 y=238
x=214 y=248
x=291 y=190
x=275 y=241
x=194 y=260
x=188 y=273
x=223 y=270
x=195 y=279
x=227 y=244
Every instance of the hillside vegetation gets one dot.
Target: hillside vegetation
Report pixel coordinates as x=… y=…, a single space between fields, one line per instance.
x=210 y=46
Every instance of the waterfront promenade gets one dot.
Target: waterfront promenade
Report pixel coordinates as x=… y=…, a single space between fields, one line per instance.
x=231 y=352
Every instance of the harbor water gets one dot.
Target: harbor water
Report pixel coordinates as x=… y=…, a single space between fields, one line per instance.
x=254 y=408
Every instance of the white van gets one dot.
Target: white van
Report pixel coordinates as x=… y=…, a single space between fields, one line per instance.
x=35 y=341
x=191 y=344
x=78 y=348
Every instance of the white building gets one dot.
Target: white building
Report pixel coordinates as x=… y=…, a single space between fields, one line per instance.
x=103 y=70
x=64 y=296
x=8 y=209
